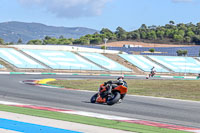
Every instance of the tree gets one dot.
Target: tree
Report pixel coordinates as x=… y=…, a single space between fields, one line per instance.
x=19 y=41
x=96 y=40
x=50 y=40
x=133 y=35
x=181 y=32
x=61 y=37
x=160 y=34
x=198 y=25
x=182 y=26
x=143 y=27
x=107 y=34
x=178 y=38
x=121 y=33
x=64 y=41
x=47 y=38
x=103 y=47
x=34 y=42
x=76 y=41
x=151 y=35
x=1 y=41
x=105 y=30
x=196 y=39
x=171 y=22
x=152 y=27
x=190 y=33
x=188 y=39
x=181 y=52
x=152 y=50
x=84 y=41
x=169 y=33
x=9 y=43
x=143 y=35
x=185 y=52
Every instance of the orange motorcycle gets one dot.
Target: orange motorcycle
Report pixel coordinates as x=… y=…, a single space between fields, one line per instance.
x=102 y=96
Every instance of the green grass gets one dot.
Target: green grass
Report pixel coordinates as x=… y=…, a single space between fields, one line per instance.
x=88 y=120
x=178 y=89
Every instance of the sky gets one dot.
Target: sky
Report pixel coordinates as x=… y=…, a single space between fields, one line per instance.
x=98 y=14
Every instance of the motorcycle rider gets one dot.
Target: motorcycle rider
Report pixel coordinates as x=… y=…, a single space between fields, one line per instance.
x=112 y=84
x=198 y=77
x=152 y=73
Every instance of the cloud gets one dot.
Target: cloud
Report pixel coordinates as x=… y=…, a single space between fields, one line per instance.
x=182 y=1
x=69 y=8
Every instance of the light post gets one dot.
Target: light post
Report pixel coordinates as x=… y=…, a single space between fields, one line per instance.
x=105 y=40
x=185 y=66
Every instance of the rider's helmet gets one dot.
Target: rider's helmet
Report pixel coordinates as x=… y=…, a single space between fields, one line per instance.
x=153 y=68
x=121 y=78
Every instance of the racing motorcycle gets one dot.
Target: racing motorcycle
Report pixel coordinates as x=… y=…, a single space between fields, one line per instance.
x=151 y=74
x=103 y=97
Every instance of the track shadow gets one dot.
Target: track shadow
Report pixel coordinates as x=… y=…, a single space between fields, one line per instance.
x=88 y=102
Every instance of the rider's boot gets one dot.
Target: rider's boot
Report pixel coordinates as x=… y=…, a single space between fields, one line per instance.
x=120 y=100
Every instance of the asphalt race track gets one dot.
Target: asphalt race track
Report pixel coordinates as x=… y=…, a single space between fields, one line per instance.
x=176 y=112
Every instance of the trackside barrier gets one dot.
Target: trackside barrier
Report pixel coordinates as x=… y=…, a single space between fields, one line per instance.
x=156 y=76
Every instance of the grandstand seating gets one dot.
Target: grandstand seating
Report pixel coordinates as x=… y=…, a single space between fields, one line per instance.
x=18 y=59
x=178 y=64
x=56 y=59
x=142 y=62
x=1 y=66
x=198 y=58
x=88 y=46
x=104 y=61
x=168 y=51
x=62 y=60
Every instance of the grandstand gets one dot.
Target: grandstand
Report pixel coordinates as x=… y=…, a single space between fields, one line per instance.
x=104 y=62
x=143 y=63
x=18 y=59
x=167 y=51
x=193 y=51
x=61 y=60
x=88 y=46
x=56 y=58
x=178 y=64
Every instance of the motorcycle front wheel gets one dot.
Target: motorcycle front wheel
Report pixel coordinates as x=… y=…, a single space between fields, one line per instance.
x=94 y=98
x=114 y=98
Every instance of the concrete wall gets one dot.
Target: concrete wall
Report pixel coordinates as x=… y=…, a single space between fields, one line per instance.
x=65 y=48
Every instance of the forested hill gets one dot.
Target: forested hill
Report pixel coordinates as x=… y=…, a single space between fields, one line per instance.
x=13 y=31
x=170 y=33
x=34 y=33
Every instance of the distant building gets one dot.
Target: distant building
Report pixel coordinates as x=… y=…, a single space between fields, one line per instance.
x=131 y=45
